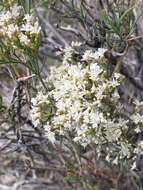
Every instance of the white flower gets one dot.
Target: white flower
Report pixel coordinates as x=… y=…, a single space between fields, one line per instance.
x=114 y=83
x=16 y=11
x=5 y=16
x=115 y=161
x=134 y=166
x=137 y=118
x=117 y=76
x=29 y=18
x=101 y=52
x=10 y=15
x=141 y=144
x=138 y=103
x=24 y=39
x=96 y=118
x=78 y=94
x=95 y=70
x=27 y=26
x=3 y=30
x=36 y=122
x=87 y=56
x=75 y=44
x=11 y=30
x=76 y=72
x=36 y=28
x=68 y=52
x=93 y=56
x=31 y=28
x=51 y=136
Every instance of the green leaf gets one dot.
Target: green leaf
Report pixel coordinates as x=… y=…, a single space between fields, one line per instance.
x=125 y=14
x=4 y=62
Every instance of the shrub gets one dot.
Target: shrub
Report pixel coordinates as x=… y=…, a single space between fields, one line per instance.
x=84 y=101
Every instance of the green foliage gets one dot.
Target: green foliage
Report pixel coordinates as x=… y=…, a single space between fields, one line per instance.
x=121 y=24
x=19 y=42
x=27 y=4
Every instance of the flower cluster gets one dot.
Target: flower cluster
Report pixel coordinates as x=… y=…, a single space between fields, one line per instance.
x=85 y=102
x=17 y=28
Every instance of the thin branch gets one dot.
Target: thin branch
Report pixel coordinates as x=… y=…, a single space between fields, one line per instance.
x=49 y=26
